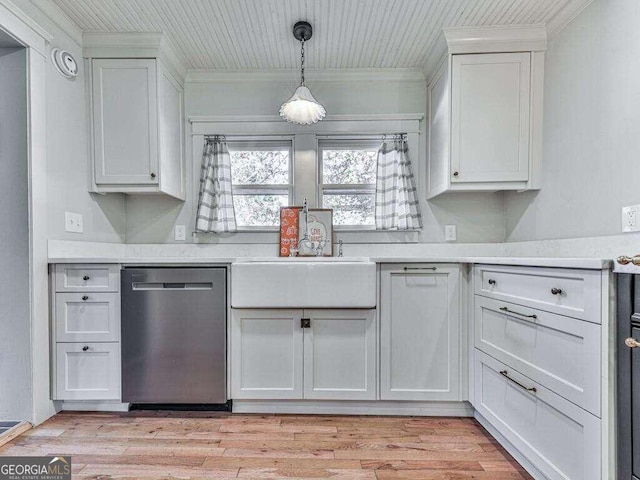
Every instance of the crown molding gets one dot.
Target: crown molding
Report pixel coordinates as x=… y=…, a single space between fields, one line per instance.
x=60 y=19
x=132 y=45
x=496 y=38
x=566 y=15
x=380 y=117
x=313 y=76
x=23 y=28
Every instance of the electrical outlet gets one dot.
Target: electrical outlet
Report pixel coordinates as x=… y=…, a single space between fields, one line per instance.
x=631 y=218
x=450 y=233
x=180 y=233
x=73 y=222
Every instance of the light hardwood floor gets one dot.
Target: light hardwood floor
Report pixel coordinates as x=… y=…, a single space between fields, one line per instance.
x=198 y=445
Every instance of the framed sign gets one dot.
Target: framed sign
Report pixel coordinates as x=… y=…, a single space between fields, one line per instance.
x=318 y=226
x=288 y=229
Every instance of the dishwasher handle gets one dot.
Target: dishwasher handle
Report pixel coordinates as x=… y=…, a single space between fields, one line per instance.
x=142 y=286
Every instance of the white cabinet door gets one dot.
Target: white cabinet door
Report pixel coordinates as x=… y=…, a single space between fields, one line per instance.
x=420 y=332
x=125 y=121
x=340 y=355
x=490 y=117
x=87 y=371
x=266 y=354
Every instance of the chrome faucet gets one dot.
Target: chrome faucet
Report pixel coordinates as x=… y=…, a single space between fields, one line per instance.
x=305 y=212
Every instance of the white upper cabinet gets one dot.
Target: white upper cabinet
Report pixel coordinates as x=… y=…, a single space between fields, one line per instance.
x=137 y=117
x=485 y=111
x=124 y=113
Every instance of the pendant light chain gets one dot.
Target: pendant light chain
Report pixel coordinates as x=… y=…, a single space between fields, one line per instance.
x=302 y=62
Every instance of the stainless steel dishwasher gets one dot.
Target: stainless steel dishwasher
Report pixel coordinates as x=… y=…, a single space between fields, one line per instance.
x=174 y=335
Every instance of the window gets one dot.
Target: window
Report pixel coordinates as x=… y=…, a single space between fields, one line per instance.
x=262 y=182
x=347 y=181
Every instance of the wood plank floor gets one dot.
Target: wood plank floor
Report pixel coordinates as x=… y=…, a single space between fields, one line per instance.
x=199 y=445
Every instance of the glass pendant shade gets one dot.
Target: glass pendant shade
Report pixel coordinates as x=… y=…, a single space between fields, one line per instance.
x=302 y=108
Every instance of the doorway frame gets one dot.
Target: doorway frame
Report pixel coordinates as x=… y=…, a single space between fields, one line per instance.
x=36 y=40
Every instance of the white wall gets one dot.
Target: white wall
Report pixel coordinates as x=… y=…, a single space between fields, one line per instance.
x=479 y=217
x=591 y=163
x=15 y=330
x=67 y=159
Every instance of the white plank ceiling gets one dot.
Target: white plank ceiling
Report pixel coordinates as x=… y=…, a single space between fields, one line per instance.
x=256 y=34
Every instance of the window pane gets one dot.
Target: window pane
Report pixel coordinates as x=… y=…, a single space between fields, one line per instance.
x=351 y=209
x=260 y=167
x=352 y=167
x=259 y=210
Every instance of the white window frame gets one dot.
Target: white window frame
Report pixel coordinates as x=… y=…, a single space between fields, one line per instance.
x=263 y=143
x=305 y=144
x=342 y=143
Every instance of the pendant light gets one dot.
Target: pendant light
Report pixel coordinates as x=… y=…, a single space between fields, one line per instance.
x=302 y=108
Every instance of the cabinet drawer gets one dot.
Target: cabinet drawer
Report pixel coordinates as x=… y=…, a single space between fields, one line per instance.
x=556 y=436
x=561 y=353
x=87 y=278
x=87 y=371
x=576 y=293
x=87 y=317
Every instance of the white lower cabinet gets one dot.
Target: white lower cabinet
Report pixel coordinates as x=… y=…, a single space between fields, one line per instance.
x=88 y=371
x=85 y=332
x=295 y=354
x=266 y=354
x=339 y=355
x=420 y=332
x=559 y=438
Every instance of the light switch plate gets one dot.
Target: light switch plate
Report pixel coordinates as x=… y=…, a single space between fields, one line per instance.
x=450 y=233
x=180 y=233
x=631 y=218
x=73 y=222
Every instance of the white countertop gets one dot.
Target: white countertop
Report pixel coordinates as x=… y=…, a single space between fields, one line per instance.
x=586 y=263
x=587 y=254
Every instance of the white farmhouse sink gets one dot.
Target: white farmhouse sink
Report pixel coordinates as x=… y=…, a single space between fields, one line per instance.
x=324 y=282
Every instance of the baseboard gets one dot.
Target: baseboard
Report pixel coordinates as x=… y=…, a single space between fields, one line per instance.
x=95 y=406
x=339 y=407
x=14 y=432
x=508 y=446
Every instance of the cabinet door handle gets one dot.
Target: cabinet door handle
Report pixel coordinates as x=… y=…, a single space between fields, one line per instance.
x=505 y=374
x=455 y=174
x=85 y=298
x=86 y=277
x=505 y=309
x=305 y=323
x=153 y=175
x=556 y=291
x=632 y=342
x=492 y=281
x=85 y=348
x=407 y=269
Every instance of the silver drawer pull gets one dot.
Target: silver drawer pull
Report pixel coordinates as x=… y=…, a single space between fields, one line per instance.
x=632 y=343
x=505 y=309
x=505 y=374
x=406 y=269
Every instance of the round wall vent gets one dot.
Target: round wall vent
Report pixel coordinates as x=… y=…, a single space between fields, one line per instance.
x=64 y=63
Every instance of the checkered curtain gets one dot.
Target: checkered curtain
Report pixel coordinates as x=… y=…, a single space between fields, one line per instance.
x=215 y=203
x=397 y=205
